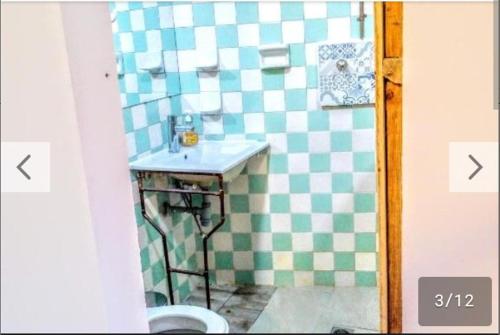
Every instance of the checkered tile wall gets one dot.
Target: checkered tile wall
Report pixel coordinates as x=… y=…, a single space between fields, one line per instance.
x=304 y=214
x=139 y=30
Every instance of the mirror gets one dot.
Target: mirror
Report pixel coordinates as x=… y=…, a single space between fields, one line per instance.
x=145 y=51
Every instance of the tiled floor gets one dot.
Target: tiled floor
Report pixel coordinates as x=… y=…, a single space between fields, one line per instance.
x=240 y=306
x=267 y=309
x=319 y=309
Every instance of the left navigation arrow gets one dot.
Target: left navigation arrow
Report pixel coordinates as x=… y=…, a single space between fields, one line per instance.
x=20 y=167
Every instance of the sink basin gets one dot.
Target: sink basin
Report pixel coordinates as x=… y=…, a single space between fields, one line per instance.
x=200 y=164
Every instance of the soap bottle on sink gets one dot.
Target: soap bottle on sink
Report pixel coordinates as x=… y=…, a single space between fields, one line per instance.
x=189 y=136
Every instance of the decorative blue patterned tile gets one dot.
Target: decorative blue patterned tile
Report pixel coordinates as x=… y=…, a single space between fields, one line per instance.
x=346 y=74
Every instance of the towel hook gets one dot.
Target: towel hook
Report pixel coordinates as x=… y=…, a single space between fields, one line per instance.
x=361 y=19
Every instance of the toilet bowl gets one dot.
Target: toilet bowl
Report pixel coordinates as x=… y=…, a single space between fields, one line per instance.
x=185 y=319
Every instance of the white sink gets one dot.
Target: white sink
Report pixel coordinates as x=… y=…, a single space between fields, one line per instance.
x=200 y=164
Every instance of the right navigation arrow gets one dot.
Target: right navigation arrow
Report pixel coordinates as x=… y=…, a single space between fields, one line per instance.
x=479 y=167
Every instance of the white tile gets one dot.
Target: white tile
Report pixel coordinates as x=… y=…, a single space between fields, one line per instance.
x=153 y=39
x=343 y=242
x=131 y=85
x=254 y=123
x=295 y=77
x=298 y=163
x=264 y=277
x=341 y=161
x=322 y=222
x=258 y=165
x=186 y=60
x=269 y=12
x=365 y=261
x=365 y=222
x=147 y=277
x=239 y=185
x=314 y=10
x=240 y=223
x=190 y=103
x=344 y=278
x=293 y=31
x=319 y=142
x=278 y=143
x=363 y=140
x=323 y=261
x=225 y=13
x=137 y=20
x=224 y=276
x=248 y=35
x=341 y=119
x=121 y=6
x=311 y=53
x=262 y=241
x=155 y=136
x=342 y=202
x=166 y=17
x=213 y=125
x=251 y=80
x=183 y=15
x=312 y=99
x=132 y=149
x=321 y=182
x=149 y=4
x=229 y=59
x=259 y=203
x=339 y=29
x=281 y=222
x=235 y=137
x=303 y=278
x=278 y=184
x=126 y=42
x=139 y=119
x=283 y=260
x=274 y=101
x=296 y=122
x=300 y=203
x=302 y=242
x=159 y=83
x=170 y=61
x=205 y=38
x=232 y=102
x=209 y=81
x=364 y=182
x=223 y=241
x=243 y=260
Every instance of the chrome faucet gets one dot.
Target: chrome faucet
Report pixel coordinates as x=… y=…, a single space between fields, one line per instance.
x=173 y=137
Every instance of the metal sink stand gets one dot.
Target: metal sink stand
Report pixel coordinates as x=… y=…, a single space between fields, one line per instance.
x=141 y=175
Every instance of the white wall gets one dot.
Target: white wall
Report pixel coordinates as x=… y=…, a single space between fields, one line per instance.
x=448 y=96
x=89 y=43
x=57 y=268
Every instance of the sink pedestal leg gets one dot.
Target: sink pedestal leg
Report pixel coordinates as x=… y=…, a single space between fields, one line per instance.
x=204 y=236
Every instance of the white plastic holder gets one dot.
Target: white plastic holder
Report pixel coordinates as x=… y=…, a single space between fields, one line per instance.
x=274 y=56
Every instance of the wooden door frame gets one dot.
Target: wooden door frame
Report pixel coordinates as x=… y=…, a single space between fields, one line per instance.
x=388 y=68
